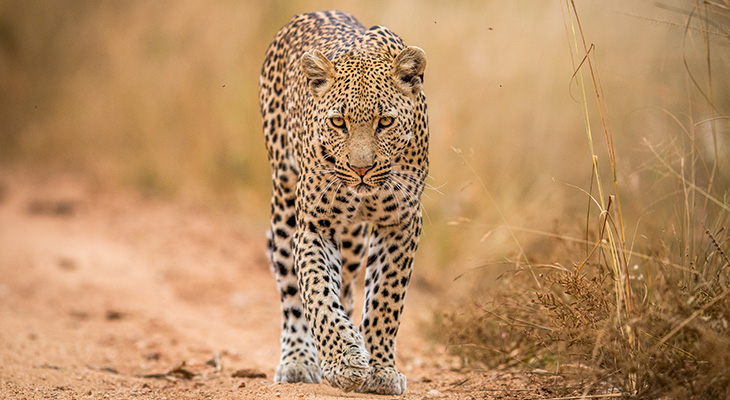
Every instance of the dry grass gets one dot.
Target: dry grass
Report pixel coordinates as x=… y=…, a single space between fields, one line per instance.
x=571 y=327
x=646 y=317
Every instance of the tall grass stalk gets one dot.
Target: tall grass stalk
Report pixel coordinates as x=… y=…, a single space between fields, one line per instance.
x=612 y=233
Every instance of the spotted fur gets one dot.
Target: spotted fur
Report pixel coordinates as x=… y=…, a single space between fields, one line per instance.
x=347 y=135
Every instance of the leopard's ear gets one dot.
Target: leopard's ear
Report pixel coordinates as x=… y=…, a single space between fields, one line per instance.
x=408 y=70
x=319 y=71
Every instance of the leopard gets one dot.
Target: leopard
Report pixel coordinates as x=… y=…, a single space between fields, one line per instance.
x=345 y=122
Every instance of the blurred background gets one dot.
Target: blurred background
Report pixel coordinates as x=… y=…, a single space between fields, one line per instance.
x=161 y=96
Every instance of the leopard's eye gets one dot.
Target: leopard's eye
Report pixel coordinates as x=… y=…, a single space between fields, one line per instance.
x=338 y=122
x=385 y=122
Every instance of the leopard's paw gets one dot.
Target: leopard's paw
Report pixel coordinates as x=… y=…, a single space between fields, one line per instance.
x=297 y=371
x=384 y=380
x=349 y=371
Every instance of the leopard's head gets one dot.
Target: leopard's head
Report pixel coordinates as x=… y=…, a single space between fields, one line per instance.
x=364 y=112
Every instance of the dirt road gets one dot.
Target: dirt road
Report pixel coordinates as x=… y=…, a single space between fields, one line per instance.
x=105 y=294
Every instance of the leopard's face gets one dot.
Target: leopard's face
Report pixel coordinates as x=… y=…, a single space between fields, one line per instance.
x=364 y=114
x=364 y=129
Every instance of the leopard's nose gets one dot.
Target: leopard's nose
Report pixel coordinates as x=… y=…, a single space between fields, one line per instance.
x=361 y=171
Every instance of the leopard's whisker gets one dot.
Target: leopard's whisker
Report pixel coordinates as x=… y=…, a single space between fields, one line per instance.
x=418 y=172
x=416 y=179
x=334 y=193
x=324 y=191
x=404 y=179
x=400 y=186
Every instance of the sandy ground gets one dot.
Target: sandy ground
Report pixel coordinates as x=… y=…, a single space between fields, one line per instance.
x=105 y=294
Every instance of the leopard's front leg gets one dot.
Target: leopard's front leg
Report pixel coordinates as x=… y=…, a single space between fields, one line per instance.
x=390 y=262
x=343 y=358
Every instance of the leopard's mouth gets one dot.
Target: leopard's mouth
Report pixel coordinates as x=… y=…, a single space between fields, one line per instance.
x=364 y=188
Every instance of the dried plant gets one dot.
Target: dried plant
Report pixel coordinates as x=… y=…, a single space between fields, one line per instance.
x=651 y=324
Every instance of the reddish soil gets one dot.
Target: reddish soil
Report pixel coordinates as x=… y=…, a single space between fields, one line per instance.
x=105 y=294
